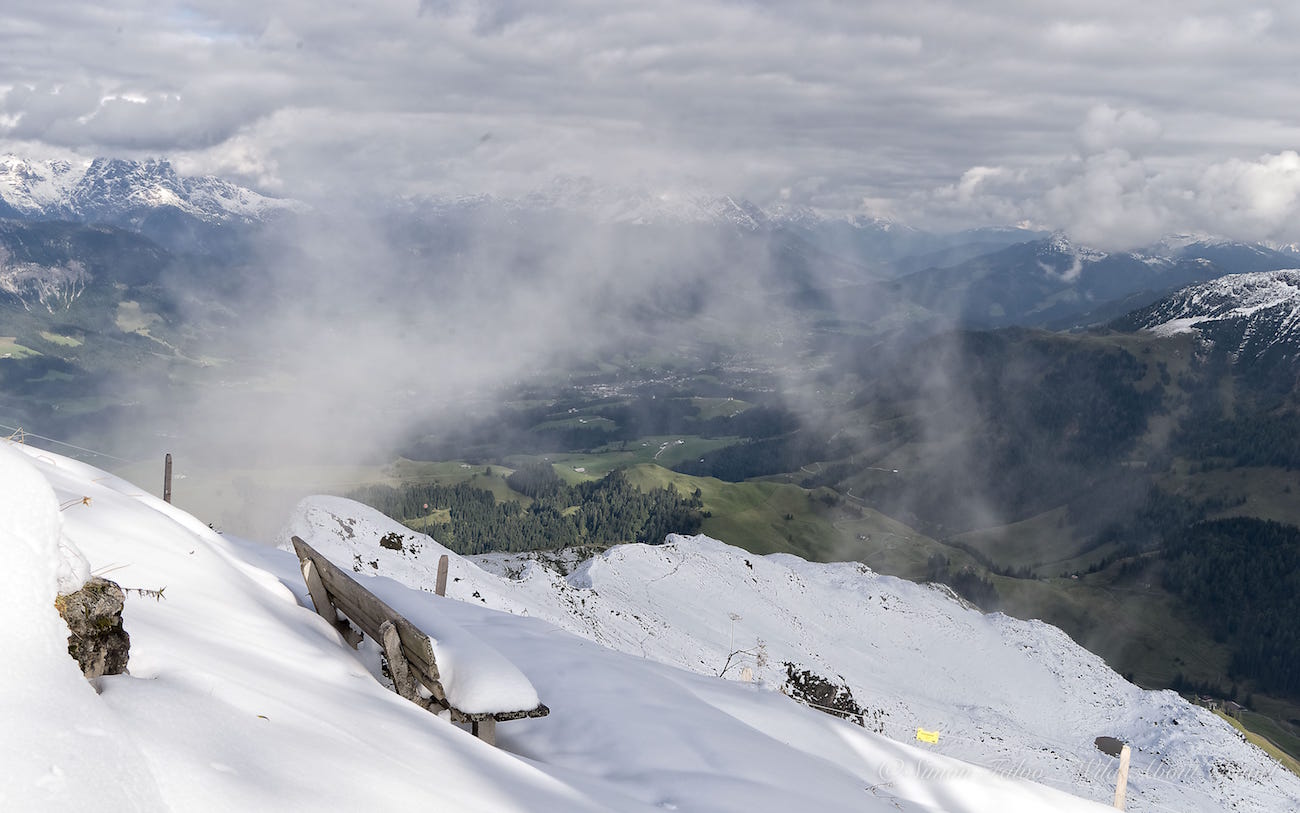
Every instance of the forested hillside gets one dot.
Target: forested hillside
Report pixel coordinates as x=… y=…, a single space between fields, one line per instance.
x=1243 y=577
x=599 y=512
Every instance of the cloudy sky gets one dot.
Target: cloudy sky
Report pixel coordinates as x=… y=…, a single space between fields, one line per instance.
x=1117 y=121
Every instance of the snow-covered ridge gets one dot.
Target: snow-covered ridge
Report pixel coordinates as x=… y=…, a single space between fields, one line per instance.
x=1002 y=692
x=114 y=189
x=1176 y=244
x=1269 y=301
x=1162 y=253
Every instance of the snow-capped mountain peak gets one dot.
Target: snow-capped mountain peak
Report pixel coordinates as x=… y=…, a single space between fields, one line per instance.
x=114 y=190
x=1059 y=243
x=35 y=187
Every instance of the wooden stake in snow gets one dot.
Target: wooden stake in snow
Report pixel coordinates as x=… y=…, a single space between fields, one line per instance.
x=1110 y=746
x=1121 y=784
x=441 y=587
x=167 y=478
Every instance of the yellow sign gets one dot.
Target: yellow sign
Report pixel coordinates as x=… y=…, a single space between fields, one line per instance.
x=927 y=736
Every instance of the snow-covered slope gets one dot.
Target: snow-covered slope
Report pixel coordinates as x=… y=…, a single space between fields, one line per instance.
x=1007 y=694
x=242 y=698
x=1266 y=303
x=119 y=191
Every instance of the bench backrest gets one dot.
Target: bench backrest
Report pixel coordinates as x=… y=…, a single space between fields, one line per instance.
x=333 y=588
x=369 y=613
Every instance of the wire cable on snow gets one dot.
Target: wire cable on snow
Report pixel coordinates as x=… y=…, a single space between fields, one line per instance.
x=20 y=435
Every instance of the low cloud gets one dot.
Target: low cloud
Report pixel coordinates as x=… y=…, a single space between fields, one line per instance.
x=834 y=104
x=1259 y=199
x=1110 y=200
x=1121 y=190
x=1107 y=128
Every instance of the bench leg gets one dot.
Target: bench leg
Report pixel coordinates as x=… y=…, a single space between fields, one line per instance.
x=403 y=681
x=485 y=730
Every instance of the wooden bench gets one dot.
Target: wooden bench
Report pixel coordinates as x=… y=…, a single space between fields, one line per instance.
x=409 y=651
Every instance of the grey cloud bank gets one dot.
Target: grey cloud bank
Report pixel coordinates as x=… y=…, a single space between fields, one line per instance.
x=1116 y=123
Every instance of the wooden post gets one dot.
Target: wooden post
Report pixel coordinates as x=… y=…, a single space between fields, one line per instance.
x=167 y=478
x=1121 y=783
x=485 y=730
x=441 y=588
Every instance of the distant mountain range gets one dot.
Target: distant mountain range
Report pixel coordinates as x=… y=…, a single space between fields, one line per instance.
x=69 y=231
x=1054 y=283
x=857 y=266
x=639 y=206
x=856 y=237
x=183 y=213
x=120 y=192
x=979 y=278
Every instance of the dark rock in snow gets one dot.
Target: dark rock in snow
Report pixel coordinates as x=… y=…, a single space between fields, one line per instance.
x=94 y=618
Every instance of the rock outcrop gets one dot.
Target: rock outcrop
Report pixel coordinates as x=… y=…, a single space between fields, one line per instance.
x=94 y=617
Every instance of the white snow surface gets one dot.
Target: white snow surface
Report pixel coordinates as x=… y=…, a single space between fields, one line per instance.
x=1236 y=296
x=240 y=697
x=61 y=748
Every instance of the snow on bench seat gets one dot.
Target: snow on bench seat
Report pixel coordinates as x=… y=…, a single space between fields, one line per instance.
x=462 y=675
x=476 y=678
